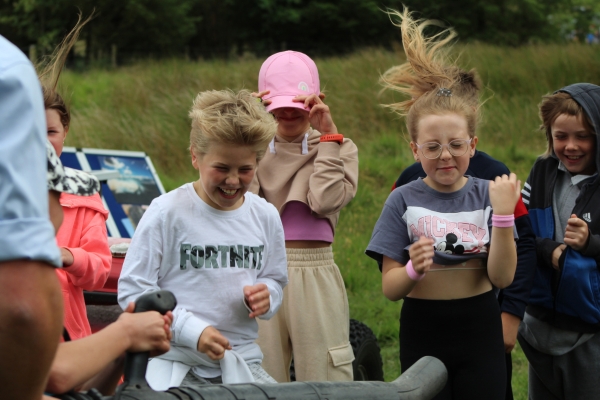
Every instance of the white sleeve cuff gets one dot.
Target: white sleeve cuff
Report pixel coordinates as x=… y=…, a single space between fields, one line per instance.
x=275 y=298
x=187 y=328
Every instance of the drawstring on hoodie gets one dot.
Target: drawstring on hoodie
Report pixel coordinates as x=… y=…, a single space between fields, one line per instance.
x=272 y=146
x=304 y=145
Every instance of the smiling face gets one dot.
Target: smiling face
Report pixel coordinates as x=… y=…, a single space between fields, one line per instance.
x=57 y=133
x=226 y=172
x=445 y=173
x=574 y=145
x=291 y=122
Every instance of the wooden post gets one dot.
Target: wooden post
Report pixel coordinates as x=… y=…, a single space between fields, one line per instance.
x=32 y=53
x=113 y=55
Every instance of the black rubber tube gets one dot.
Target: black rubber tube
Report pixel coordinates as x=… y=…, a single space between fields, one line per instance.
x=422 y=381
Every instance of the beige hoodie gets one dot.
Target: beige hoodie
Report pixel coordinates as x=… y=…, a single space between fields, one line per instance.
x=325 y=178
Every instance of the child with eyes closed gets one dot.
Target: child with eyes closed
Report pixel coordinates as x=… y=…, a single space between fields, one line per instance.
x=217 y=247
x=444 y=241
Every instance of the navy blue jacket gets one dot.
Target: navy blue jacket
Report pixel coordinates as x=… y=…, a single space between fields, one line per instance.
x=570 y=297
x=513 y=299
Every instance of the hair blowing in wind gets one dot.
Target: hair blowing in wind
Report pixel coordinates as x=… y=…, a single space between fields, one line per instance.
x=430 y=77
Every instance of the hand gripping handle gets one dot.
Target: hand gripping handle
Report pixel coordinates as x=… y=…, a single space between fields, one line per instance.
x=160 y=300
x=136 y=363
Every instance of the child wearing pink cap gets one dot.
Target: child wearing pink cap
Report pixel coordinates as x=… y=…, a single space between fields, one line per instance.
x=309 y=172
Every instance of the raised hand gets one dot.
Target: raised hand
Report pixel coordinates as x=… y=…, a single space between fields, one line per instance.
x=319 y=114
x=577 y=233
x=258 y=299
x=262 y=94
x=421 y=254
x=213 y=343
x=505 y=191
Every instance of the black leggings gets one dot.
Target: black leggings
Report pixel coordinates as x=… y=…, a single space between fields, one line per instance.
x=466 y=335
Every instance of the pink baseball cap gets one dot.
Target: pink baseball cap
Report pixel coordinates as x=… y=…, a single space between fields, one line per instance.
x=286 y=75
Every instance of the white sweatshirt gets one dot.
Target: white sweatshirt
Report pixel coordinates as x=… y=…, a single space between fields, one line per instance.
x=205 y=257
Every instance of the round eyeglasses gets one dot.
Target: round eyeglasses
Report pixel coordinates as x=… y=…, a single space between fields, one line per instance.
x=433 y=150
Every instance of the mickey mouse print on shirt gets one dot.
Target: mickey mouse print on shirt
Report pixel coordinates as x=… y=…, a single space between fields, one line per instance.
x=450 y=246
x=458 y=236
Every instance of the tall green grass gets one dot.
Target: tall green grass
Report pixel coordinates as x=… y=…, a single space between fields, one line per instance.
x=144 y=107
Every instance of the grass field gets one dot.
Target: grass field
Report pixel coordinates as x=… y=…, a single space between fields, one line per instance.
x=144 y=107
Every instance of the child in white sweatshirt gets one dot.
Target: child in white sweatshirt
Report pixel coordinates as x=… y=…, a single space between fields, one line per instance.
x=219 y=249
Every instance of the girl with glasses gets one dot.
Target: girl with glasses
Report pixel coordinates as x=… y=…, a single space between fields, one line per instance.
x=444 y=242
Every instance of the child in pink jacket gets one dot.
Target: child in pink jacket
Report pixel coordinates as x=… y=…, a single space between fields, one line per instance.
x=83 y=235
x=82 y=238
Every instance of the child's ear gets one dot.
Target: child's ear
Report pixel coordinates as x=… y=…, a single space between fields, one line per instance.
x=473 y=145
x=194 y=159
x=415 y=151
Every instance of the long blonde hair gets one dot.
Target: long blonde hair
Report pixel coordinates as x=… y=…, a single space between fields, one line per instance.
x=49 y=71
x=431 y=80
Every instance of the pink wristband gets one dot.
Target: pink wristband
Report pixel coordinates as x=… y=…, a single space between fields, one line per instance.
x=412 y=274
x=503 y=221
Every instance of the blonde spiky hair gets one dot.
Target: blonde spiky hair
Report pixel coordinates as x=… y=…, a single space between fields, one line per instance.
x=225 y=117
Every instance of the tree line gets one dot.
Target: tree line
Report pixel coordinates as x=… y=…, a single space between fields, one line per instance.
x=221 y=28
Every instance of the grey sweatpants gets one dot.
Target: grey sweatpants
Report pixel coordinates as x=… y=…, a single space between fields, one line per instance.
x=571 y=376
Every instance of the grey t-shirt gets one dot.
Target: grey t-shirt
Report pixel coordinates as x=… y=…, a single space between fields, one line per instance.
x=566 y=191
x=459 y=222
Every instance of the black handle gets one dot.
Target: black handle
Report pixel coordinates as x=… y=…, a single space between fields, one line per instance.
x=136 y=363
x=160 y=300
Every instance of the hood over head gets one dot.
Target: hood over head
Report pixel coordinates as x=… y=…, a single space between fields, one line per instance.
x=587 y=95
